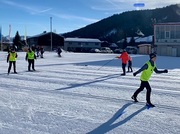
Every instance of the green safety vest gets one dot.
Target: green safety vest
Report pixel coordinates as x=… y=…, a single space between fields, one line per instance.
x=31 y=55
x=146 y=74
x=12 y=56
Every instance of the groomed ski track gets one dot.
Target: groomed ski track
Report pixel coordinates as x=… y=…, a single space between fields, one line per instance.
x=69 y=97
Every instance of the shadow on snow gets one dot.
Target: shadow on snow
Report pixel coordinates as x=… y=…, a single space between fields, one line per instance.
x=108 y=126
x=90 y=82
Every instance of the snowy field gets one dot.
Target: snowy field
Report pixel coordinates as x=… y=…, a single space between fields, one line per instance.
x=74 y=94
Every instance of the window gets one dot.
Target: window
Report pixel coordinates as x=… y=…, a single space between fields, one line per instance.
x=167 y=34
x=173 y=32
x=177 y=32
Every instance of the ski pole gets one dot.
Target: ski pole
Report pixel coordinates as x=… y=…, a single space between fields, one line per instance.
x=107 y=63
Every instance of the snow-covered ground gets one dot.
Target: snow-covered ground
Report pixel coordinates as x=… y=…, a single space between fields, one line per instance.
x=74 y=94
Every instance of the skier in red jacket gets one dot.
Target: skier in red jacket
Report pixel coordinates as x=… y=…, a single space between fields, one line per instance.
x=125 y=58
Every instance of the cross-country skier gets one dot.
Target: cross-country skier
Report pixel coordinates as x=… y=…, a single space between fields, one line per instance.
x=130 y=64
x=59 y=51
x=124 y=57
x=147 y=71
x=11 y=58
x=30 y=56
x=42 y=52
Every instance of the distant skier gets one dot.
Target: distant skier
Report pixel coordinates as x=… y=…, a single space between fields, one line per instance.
x=42 y=52
x=30 y=56
x=11 y=58
x=124 y=57
x=147 y=71
x=130 y=64
x=37 y=51
x=59 y=51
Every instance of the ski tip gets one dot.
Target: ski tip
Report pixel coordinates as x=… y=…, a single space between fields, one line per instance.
x=148 y=106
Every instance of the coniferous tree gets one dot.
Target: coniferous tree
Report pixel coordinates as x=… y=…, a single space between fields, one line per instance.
x=124 y=43
x=17 y=41
x=132 y=42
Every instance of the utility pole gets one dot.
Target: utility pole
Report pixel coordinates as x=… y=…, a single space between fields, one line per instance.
x=51 y=31
x=1 y=37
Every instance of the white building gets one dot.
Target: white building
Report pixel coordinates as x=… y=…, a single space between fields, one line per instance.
x=167 y=39
x=81 y=44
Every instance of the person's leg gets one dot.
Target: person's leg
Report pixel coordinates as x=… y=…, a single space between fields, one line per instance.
x=134 y=97
x=29 y=65
x=41 y=54
x=9 y=68
x=37 y=53
x=130 y=66
x=33 y=65
x=131 y=69
x=124 y=68
x=14 y=65
x=148 y=95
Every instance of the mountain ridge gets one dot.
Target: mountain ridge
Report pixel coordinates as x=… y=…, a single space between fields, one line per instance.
x=126 y=24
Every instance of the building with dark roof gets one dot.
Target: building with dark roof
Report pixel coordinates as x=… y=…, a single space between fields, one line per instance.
x=81 y=44
x=44 y=40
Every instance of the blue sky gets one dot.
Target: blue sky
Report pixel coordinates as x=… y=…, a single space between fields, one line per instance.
x=33 y=16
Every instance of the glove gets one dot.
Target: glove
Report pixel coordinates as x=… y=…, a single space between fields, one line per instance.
x=134 y=74
x=165 y=71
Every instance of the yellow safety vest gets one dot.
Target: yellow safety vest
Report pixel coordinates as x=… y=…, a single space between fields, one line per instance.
x=12 y=56
x=31 y=55
x=146 y=74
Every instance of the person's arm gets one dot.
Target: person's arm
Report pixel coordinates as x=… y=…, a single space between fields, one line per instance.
x=8 y=58
x=119 y=57
x=160 y=71
x=26 y=56
x=34 y=56
x=141 y=69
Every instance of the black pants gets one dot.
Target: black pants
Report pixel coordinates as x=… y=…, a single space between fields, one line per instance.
x=144 y=84
x=124 y=68
x=130 y=66
x=30 y=62
x=10 y=65
x=59 y=54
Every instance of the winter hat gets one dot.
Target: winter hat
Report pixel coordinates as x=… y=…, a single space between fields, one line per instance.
x=12 y=49
x=152 y=55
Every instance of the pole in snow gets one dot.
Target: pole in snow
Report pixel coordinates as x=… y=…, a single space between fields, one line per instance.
x=107 y=63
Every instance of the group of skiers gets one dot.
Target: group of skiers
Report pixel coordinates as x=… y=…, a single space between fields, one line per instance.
x=12 y=56
x=126 y=59
x=39 y=51
x=147 y=69
x=30 y=57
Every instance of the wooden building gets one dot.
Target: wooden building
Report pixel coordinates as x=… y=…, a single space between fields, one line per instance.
x=144 y=48
x=167 y=39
